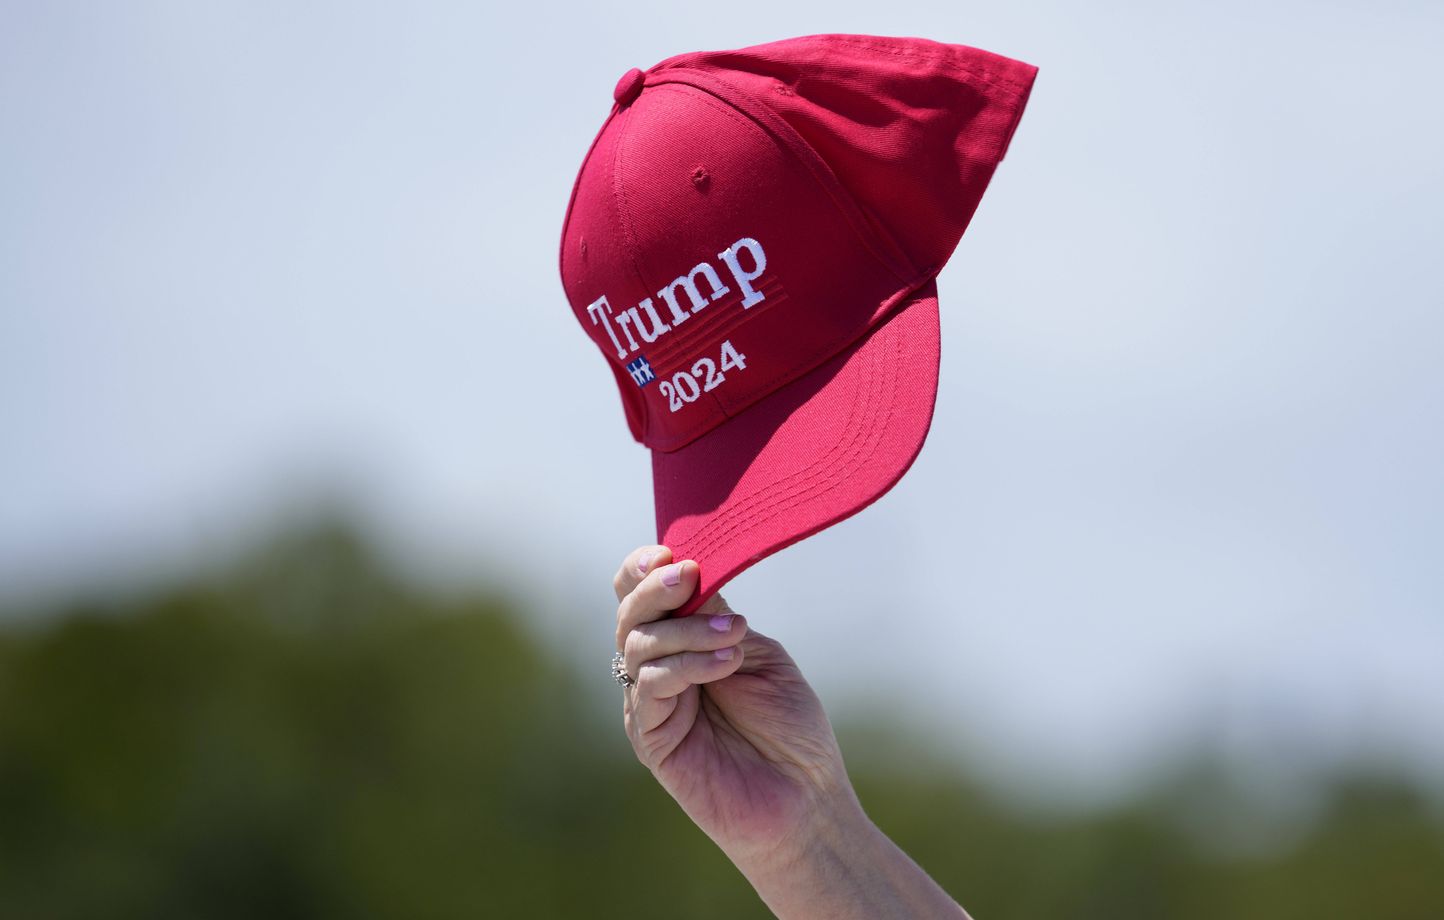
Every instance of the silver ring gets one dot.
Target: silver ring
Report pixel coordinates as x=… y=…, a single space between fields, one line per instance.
x=619 y=671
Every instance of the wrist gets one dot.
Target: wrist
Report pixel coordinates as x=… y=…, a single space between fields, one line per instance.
x=824 y=859
x=830 y=825
x=837 y=864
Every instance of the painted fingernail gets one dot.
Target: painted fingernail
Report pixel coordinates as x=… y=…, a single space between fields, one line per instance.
x=724 y=654
x=672 y=575
x=721 y=622
x=644 y=562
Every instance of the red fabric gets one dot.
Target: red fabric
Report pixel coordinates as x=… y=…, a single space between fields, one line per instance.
x=751 y=243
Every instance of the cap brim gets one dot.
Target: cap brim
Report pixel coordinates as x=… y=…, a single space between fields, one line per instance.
x=815 y=452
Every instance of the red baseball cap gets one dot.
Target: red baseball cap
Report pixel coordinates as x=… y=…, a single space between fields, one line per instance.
x=753 y=242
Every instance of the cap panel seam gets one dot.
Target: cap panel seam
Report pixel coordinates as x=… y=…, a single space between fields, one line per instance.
x=629 y=239
x=802 y=365
x=776 y=126
x=686 y=339
x=572 y=199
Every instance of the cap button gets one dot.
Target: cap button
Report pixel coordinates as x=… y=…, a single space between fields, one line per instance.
x=629 y=87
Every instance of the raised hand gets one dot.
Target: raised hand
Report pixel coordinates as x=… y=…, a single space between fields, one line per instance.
x=720 y=713
x=726 y=723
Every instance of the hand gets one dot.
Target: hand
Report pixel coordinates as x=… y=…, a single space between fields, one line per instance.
x=723 y=718
x=726 y=723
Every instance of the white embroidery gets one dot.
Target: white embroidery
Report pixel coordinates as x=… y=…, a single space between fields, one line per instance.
x=658 y=327
x=594 y=310
x=631 y=318
x=684 y=388
x=669 y=293
x=729 y=255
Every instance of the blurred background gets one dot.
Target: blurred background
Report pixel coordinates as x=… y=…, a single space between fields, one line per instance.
x=311 y=491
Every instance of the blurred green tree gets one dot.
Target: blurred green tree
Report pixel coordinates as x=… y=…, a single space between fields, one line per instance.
x=307 y=735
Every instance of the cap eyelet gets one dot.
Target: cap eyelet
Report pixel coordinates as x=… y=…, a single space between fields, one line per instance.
x=629 y=87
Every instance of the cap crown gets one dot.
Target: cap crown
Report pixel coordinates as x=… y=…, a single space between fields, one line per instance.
x=744 y=216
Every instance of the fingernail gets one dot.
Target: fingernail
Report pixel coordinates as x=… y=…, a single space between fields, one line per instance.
x=721 y=622
x=724 y=654
x=672 y=575
x=644 y=561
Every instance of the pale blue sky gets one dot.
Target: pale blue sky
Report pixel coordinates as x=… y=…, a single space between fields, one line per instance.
x=1185 y=468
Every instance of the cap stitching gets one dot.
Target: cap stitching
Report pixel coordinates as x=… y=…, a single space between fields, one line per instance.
x=800 y=366
x=624 y=217
x=784 y=134
x=766 y=498
x=776 y=299
x=860 y=448
x=629 y=237
x=679 y=344
x=888 y=306
x=794 y=371
x=943 y=54
x=572 y=200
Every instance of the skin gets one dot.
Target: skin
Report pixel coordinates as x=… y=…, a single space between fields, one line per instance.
x=727 y=724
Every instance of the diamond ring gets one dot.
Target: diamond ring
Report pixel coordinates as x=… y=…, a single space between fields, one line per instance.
x=619 y=672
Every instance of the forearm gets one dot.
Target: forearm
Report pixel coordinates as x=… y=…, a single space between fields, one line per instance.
x=843 y=867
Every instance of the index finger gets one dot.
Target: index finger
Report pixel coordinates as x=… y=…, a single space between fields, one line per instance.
x=635 y=567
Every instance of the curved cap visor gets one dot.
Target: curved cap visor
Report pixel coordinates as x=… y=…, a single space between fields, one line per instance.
x=815 y=452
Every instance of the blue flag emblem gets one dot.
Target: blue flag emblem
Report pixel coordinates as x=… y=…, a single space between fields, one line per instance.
x=641 y=371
